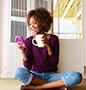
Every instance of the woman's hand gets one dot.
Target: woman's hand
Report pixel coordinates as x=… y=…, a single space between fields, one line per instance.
x=20 y=46
x=45 y=41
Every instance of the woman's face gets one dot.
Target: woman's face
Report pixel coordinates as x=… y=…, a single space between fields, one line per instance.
x=33 y=25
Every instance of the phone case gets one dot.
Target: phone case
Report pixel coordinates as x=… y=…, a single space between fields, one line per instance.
x=20 y=39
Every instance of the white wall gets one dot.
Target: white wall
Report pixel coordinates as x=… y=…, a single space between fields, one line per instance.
x=4 y=35
x=0 y=34
x=84 y=30
x=1 y=30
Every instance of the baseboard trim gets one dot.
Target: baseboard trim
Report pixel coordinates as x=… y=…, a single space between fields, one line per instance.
x=6 y=75
x=84 y=75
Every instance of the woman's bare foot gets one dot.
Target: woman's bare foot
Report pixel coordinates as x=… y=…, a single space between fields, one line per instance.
x=63 y=88
x=28 y=87
x=33 y=87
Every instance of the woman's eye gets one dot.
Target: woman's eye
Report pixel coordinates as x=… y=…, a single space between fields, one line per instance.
x=35 y=23
x=29 y=24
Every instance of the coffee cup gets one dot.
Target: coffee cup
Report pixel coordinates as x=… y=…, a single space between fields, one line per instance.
x=38 y=38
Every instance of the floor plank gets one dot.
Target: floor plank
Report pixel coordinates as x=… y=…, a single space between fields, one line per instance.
x=13 y=84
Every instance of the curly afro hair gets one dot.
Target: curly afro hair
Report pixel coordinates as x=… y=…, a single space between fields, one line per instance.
x=42 y=16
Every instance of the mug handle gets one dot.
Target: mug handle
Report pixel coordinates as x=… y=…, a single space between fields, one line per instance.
x=33 y=42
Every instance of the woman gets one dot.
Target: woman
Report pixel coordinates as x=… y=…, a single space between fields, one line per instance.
x=41 y=63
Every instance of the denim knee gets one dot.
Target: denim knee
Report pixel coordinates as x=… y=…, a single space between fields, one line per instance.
x=18 y=72
x=72 y=78
x=23 y=75
x=79 y=77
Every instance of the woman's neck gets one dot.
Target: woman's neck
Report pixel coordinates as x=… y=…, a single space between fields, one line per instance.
x=42 y=32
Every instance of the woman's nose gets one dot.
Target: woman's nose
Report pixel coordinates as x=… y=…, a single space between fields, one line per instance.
x=32 y=25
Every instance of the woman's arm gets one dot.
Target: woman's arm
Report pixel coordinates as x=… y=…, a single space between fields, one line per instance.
x=54 y=57
x=47 y=44
x=50 y=52
x=25 y=58
x=53 y=51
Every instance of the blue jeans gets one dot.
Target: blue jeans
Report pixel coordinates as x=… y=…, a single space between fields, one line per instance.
x=69 y=78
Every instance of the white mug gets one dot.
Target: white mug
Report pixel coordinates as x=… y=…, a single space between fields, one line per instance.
x=38 y=39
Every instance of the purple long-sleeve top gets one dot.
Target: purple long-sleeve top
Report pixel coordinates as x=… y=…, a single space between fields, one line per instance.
x=38 y=58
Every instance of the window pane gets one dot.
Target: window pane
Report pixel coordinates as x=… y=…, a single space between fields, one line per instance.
x=18 y=29
x=55 y=25
x=19 y=8
x=66 y=25
x=43 y=3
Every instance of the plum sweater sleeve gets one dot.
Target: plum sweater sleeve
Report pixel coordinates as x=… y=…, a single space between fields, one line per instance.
x=54 y=58
x=28 y=63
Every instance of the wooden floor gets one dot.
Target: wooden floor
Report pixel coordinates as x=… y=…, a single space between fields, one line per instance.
x=9 y=84
x=12 y=84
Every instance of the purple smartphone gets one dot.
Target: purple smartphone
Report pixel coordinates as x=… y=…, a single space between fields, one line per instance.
x=20 y=39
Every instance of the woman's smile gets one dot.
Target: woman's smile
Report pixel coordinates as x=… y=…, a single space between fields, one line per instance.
x=33 y=25
x=34 y=30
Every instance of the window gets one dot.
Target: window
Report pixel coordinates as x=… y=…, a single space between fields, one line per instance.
x=43 y=3
x=18 y=28
x=18 y=14
x=67 y=19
